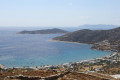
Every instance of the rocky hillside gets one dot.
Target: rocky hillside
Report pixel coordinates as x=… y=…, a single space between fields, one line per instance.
x=46 y=31
x=21 y=74
x=92 y=36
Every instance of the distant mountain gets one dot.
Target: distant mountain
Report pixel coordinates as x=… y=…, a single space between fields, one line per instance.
x=97 y=27
x=45 y=31
x=92 y=36
x=89 y=26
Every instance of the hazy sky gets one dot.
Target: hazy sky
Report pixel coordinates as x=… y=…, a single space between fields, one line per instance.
x=59 y=12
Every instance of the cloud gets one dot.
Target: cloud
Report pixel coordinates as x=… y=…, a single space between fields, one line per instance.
x=85 y=17
x=70 y=4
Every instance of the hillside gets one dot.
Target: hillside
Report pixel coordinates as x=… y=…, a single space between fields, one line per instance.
x=21 y=74
x=92 y=36
x=46 y=31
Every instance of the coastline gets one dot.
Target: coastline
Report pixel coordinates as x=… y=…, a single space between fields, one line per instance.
x=87 y=60
x=104 y=57
x=107 y=56
x=68 y=63
x=78 y=43
x=113 y=53
x=68 y=42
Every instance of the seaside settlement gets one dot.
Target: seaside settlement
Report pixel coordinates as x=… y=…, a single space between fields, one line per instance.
x=105 y=68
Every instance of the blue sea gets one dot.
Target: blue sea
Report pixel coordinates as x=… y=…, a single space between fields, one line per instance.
x=18 y=50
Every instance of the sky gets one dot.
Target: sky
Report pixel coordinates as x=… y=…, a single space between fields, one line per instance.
x=59 y=12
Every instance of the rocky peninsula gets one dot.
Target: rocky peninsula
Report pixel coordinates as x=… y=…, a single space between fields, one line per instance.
x=45 y=31
x=100 y=39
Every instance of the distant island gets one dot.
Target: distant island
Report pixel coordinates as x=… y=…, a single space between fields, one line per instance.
x=101 y=39
x=46 y=31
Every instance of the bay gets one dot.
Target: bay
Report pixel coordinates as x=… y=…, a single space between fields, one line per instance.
x=18 y=50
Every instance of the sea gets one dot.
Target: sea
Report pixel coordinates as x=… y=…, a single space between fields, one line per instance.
x=20 y=50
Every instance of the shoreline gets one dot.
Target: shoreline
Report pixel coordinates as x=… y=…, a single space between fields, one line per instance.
x=68 y=63
x=68 y=42
x=113 y=53
x=78 y=43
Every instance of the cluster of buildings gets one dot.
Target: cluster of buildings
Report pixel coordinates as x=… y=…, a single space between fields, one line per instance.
x=105 y=46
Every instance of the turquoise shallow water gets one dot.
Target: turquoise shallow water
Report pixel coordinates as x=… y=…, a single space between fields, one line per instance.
x=19 y=50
